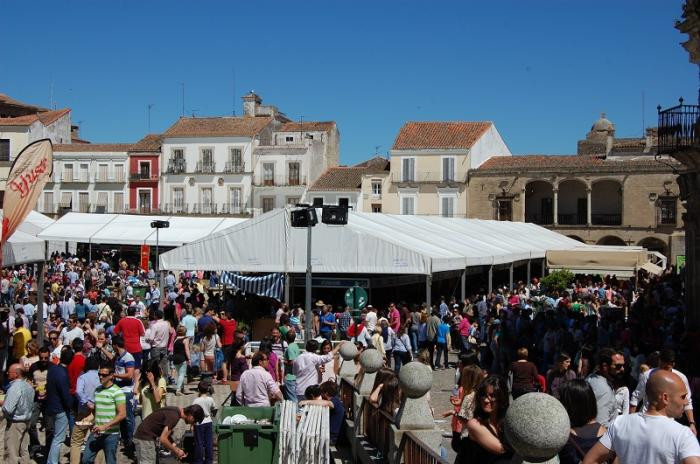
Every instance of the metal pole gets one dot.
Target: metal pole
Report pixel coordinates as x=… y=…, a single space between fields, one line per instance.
x=529 y=273
x=490 y=279
x=428 y=290
x=308 y=316
x=90 y=252
x=286 y=288
x=464 y=284
x=40 y=303
x=155 y=266
x=543 y=268
x=510 y=277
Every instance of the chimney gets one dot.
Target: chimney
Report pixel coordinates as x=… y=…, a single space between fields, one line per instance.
x=251 y=103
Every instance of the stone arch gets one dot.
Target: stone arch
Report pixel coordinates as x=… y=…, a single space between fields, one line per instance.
x=654 y=244
x=611 y=240
x=576 y=237
x=572 y=202
x=539 y=202
x=606 y=202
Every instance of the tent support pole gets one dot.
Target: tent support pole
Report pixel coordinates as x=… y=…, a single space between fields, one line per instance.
x=90 y=252
x=529 y=272
x=428 y=289
x=463 y=283
x=40 y=301
x=308 y=319
x=510 y=277
x=286 y=287
x=543 y=268
x=161 y=287
x=490 y=279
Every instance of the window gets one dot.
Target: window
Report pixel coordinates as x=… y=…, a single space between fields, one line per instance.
x=118 y=173
x=206 y=160
x=66 y=199
x=447 y=206
x=102 y=172
x=289 y=139
x=101 y=206
x=376 y=208
x=84 y=172
x=376 y=187
x=344 y=202
x=268 y=204
x=144 y=169
x=408 y=205
x=4 y=149
x=504 y=209
x=48 y=202
x=235 y=160
x=67 y=173
x=206 y=197
x=667 y=211
x=84 y=202
x=310 y=136
x=294 y=174
x=178 y=200
x=235 y=200
x=408 y=169
x=268 y=173
x=292 y=201
x=176 y=165
x=448 y=169
x=144 y=201
x=118 y=202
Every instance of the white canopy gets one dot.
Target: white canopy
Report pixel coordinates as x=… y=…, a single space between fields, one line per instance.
x=132 y=229
x=370 y=243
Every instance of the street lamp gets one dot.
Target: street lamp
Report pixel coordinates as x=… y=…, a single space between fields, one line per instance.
x=306 y=216
x=157 y=225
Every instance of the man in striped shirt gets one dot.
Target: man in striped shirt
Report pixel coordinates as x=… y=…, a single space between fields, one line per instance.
x=110 y=410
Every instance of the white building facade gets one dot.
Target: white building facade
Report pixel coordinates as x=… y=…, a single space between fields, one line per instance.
x=87 y=178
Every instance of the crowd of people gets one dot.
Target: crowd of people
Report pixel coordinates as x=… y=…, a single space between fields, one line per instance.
x=115 y=348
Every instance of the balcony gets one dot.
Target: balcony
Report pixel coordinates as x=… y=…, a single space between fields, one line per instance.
x=679 y=128
x=109 y=177
x=176 y=166
x=206 y=209
x=205 y=168
x=234 y=168
x=571 y=219
x=606 y=219
x=144 y=210
x=540 y=219
x=71 y=177
x=280 y=181
x=427 y=177
x=142 y=177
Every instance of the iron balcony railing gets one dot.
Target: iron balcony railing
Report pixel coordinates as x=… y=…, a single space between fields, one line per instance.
x=427 y=177
x=540 y=219
x=679 y=127
x=606 y=219
x=280 y=181
x=205 y=167
x=176 y=166
x=142 y=176
x=234 y=168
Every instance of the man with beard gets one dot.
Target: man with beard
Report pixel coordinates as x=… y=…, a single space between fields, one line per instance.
x=610 y=363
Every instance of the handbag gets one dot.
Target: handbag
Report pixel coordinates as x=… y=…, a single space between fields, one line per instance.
x=405 y=355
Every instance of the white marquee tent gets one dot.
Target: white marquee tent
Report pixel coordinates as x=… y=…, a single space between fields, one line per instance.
x=133 y=229
x=369 y=244
x=22 y=248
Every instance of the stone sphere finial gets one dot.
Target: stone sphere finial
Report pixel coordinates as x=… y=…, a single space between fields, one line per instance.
x=371 y=361
x=415 y=379
x=348 y=351
x=537 y=426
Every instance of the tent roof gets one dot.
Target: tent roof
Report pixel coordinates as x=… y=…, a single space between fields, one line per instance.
x=132 y=229
x=370 y=243
x=23 y=246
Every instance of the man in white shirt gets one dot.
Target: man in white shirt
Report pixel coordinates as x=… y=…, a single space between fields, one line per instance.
x=667 y=359
x=653 y=436
x=160 y=335
x=370 y=319
x=73 y=331
x=304 y=367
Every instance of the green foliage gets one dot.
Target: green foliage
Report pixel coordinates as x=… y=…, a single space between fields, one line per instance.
x=557 y=280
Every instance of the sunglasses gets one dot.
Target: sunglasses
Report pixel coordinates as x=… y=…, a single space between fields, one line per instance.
x=618 y=366
x=53 y=338
x=100 y=374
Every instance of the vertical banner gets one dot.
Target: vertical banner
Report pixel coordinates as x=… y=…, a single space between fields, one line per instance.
x=30 y=172
x=145 y=256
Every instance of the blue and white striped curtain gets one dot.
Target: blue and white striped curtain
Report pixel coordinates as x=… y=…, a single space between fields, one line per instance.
x=271 y=285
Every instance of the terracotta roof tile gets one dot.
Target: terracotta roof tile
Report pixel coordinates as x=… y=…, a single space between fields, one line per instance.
x=150 y=142
x=311 y=126
x=7 y=100
x=513 y=164
x=46 y=118
x=227 y=126
x=343 y=178
x=454 y=134
x=92 y=147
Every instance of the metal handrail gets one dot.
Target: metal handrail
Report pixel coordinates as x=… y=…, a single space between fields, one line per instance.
x=412 y=450
x=679 y=127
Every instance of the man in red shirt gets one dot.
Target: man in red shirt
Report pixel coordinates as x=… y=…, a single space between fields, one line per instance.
x=132 y=330
x=228 y=331
x=75 y=368
x=394 y=317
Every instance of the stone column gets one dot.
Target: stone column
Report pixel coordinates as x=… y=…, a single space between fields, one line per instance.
x=555 y=206
x=589 y=222
x=415 y=380
x=537 y=427
x=348 y=368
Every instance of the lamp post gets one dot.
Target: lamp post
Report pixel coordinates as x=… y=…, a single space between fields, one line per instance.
x=157 y=225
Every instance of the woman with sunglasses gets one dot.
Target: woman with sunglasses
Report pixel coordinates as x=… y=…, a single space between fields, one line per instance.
x=485 y=443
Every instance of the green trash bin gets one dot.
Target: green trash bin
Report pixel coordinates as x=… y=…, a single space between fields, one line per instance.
x=248 y=443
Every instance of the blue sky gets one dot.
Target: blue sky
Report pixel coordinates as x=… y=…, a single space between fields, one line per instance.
x=541 y=70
